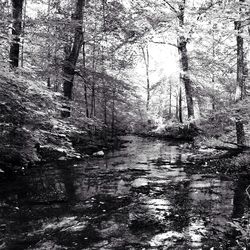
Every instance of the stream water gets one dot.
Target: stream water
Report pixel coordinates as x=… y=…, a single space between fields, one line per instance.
x=141 y=197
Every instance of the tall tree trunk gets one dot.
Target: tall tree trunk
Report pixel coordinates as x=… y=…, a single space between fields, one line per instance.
x=212 y=97
x=104 y=102
x=145 y=54
x=23 y=31
x=177 y=106
x=84 y=66
x=49 y=48
x=113 y=112
x=213 y=74
x=85 y=80
x=240 y=89
x=104 y=87
x=180 y=106
x=17 y=8
x=184 y=63
x=71 y=60
x=170 y=99
x=92 y=110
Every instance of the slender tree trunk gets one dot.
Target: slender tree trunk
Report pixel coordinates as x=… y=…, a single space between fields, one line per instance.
x=240 y=89
x=213 y=98
x=184 y=63
x=84 y=66
x=85 y=81
x=177 y=106
x=113 y=112
x=71 y=60
x=170 y=99
x=49 y=49
x=17 y=8
x=104 y=88
x=92 y=111
x=145 y=54
x=180 y=106
x=104 y=102
x=148 y=82
x=213 y=75
x=23 y=31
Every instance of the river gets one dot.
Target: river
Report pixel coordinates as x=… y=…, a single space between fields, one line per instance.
x=143 y=196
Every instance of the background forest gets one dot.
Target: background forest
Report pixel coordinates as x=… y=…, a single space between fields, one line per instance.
x=76 y=72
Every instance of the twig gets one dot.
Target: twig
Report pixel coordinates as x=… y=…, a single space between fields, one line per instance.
x=248 y=192
x=236 y=144
x=229 y=142
x=170 y=5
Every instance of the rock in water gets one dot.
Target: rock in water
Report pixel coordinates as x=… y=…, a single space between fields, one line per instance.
x=99 y=153
x=167 y=239
x=140 y=182
x=62 y=158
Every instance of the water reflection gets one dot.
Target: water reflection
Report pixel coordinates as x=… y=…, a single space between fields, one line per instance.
x=241 y=201
x=138 y=197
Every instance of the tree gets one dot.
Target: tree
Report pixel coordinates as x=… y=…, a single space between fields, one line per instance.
x=241 y=86
x=240 y=81
x=184 y=61
x=180 y=106
x=178 y=8
x=170 y=99
x=17 y=8
x=145 y=54
x=71 y=58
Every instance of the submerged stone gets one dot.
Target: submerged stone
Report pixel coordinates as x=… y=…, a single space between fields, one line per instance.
x=48 y=245
x=166 y=239
x=140 y=182
x=62 y=158
x=99 y=153
x=66 y=224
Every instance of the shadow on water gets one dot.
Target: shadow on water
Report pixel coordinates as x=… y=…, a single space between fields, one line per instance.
x=241 y=201
x=140 y=197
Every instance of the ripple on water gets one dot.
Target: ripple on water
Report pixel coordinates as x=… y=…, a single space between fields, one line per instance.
x=143 y=196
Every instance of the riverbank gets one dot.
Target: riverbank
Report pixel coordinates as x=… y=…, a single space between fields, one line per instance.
x=32 y=131
x=209 y=144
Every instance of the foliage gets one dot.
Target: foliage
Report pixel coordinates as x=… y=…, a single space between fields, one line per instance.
x=30 y=120
x=219 y=127
x=243 y=229
x=108 y=94
x=242 y=161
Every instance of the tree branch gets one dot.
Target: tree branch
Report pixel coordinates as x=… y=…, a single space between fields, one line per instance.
x=171 y=44
x=171 y=6
x=248 y=192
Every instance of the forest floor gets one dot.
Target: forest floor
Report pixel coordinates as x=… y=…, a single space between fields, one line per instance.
x=33 y=132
